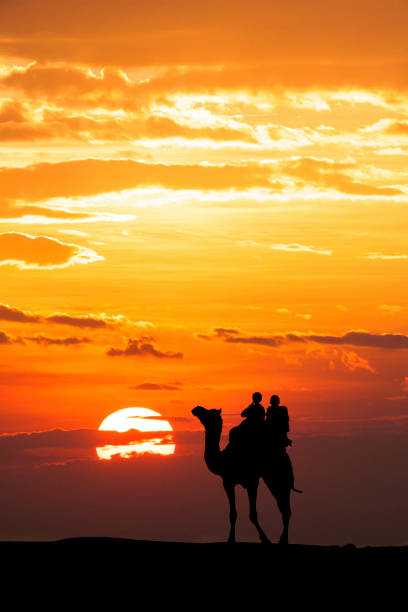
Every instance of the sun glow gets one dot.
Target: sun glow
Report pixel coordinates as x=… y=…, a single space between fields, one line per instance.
x=139 y=419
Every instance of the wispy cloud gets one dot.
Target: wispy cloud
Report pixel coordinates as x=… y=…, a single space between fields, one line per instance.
x=48 y=341
x=391 y=308
x=383 y=256
x=295 y=247
x=147 y=386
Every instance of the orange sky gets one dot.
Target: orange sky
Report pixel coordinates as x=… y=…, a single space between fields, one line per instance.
x=200 y=200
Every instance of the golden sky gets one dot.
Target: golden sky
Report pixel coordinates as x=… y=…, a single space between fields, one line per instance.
x=199 y=200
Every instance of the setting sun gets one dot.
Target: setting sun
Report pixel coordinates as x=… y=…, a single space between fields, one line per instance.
x=139 y=419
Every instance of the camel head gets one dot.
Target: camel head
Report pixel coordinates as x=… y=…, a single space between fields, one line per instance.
x=211 y=419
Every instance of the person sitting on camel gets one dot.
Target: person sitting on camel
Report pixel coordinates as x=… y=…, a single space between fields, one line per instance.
x=254 y=418
x=277 y=421
x=255 y=412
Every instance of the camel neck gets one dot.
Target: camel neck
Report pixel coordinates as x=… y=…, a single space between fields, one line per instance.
x=212 y=453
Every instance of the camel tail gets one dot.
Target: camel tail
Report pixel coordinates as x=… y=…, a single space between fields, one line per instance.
x=297 y=490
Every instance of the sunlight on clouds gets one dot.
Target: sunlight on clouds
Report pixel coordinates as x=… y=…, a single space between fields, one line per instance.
x=140 y=419
x=153 y=446
x=382 y=256
x=296 y=248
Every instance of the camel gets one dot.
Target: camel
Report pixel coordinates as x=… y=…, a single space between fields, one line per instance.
x=235 y=469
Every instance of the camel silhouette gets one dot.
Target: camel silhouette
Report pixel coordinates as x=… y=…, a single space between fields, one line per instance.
x=234 y=468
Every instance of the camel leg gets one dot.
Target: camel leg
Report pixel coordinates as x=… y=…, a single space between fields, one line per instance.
x=230 y=491
x=282 y=497
x=283 y=501
x=253 y=515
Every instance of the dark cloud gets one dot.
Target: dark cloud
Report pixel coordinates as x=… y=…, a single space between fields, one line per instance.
x=10 y=313
x=8 y=339
x=47 y=341
x=225 y=331
x=157 y=387
x=61 y=438
x=356 y=338
x=219 y=332
x=43 y=340
x=91 y=321
x=142 y=347
x=58 y=445
x=265 y=341
x=5 y=338
x=352 y=338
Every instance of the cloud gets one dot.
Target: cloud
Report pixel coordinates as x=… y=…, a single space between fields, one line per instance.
x=40 y=252
x=225 y=331
x=354 y=362
x=323 y=50
x=333 y=175
x=294 y=247
x=382 y=256
x=47 y=341
x=142 y=347
x=351 y=338
x=5 y=338
x=10 y=313
x=10 y=210
x=77 y=117
x=88 y=177
x=86 y=321
x=92 y=176
x=391 y=309
x=219 y=332
x=399 y=128
x=356 y=338
x=59 y=445
x=262 y=340
x=337 y=359
x=157 y=387
x=15 y=212
x=91 y=321
x=391 y=127
x=42 y=340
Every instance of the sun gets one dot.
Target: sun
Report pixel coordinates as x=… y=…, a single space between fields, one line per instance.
x=139 y=419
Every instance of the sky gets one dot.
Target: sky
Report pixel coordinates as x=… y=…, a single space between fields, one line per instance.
x=199 y=201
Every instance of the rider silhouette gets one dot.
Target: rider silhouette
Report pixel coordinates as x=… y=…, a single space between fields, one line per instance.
x=277 y=421
x=255 y=412
x=249 y=430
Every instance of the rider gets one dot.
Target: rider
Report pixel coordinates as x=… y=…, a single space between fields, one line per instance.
x=255 y=412
x=254 y=417
x=277 y=421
